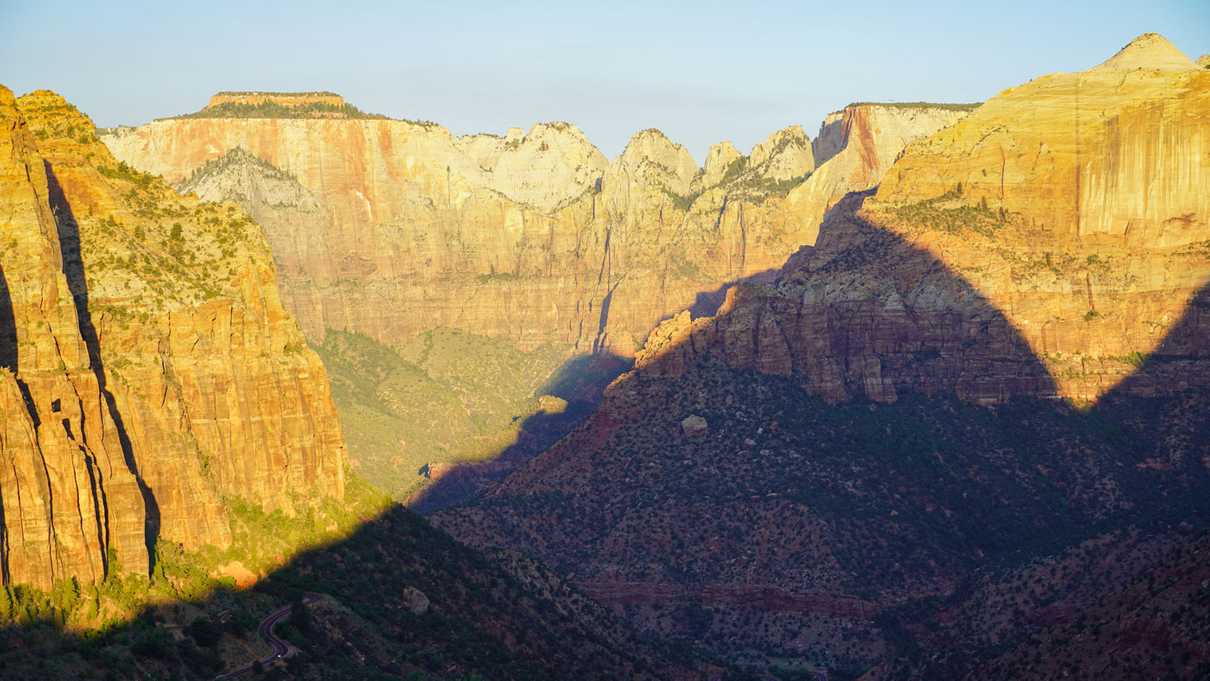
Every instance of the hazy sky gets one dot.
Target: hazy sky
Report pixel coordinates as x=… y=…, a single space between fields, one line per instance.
x=700 y=71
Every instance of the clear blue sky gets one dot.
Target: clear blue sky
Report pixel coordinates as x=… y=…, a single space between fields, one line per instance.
x=701 y=71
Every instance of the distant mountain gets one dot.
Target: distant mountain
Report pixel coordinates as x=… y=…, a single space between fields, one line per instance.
x=533 y=246
x=965 y=434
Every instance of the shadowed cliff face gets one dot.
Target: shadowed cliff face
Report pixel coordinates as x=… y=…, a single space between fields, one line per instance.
x=848 y=484
x=791 y=521
x=153 y=375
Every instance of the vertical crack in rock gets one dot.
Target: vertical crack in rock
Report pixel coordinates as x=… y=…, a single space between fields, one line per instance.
x=73 y=270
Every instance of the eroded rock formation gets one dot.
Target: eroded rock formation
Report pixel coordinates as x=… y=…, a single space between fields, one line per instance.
x=393 y=227
x=151 y=373
x=1075 y=205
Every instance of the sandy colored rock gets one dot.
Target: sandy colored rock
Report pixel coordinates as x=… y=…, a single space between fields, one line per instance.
x=153 y=370
x=1042 y=245
x=391 y=228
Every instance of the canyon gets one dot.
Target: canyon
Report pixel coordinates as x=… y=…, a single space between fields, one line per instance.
x=988 y=363
x=926 y=396
x=533 y=246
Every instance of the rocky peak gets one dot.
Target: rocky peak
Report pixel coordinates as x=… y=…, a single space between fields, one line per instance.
x=550 y=165
x=783 y=155
x=1204 y=61
x=652 y=148
x=1149 y=51
x=718 y=160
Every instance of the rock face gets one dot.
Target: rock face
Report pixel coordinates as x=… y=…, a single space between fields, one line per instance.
x=694 y=426
x=151 y=372
x=391 y=228
x=289 y=99
x=859 y=144
x=1075 y=206
x=1051 y=244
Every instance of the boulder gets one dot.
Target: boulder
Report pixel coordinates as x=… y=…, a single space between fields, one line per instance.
x=694 y=426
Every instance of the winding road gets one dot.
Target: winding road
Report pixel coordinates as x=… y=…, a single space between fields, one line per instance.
x=280 y=646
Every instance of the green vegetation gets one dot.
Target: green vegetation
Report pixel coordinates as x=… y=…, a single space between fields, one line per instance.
x=948 y=213
x=125 y=173
x=269 y=109
x=441 y=397
x=235 y=156
x=681 y=202
x=948 y=106
x=1136 y=359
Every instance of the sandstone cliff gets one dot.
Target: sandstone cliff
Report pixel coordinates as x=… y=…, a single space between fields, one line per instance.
x=1074 y=205
x=393 y=229
x=153 y=374
x=814 y=470
x=533 y=237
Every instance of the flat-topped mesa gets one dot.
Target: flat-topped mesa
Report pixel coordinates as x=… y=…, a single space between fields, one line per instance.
x=288 y=99
x=1149 y=51
x=260 y=104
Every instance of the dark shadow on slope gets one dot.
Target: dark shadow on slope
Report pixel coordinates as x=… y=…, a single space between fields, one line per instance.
x=480 y=620
x=8 y=327
x=707 y=303
x=827 y=131
x=1167 y=398
x=580 y=382
x=8 y=360
x=73 y=271
x=914 y=496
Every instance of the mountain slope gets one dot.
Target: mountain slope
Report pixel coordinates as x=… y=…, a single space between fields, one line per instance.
x=811 y=477
x=394 y=229
x=159 y=375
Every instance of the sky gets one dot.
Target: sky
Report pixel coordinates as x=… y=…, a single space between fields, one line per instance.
x=700 y=71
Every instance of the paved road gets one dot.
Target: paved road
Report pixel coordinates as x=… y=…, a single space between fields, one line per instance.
x=265 y=630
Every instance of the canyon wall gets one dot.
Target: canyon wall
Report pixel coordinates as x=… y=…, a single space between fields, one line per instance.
x=990 y=361
x=397 y=227
x=153 y=374
x=1075 y=206
x=533 y=243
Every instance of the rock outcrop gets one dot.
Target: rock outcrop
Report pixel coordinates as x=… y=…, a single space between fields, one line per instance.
x=1076 y=206
x=287 y=99
x=393 y=228
x=151 y=374
x=397 y=227
x=853 y=487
